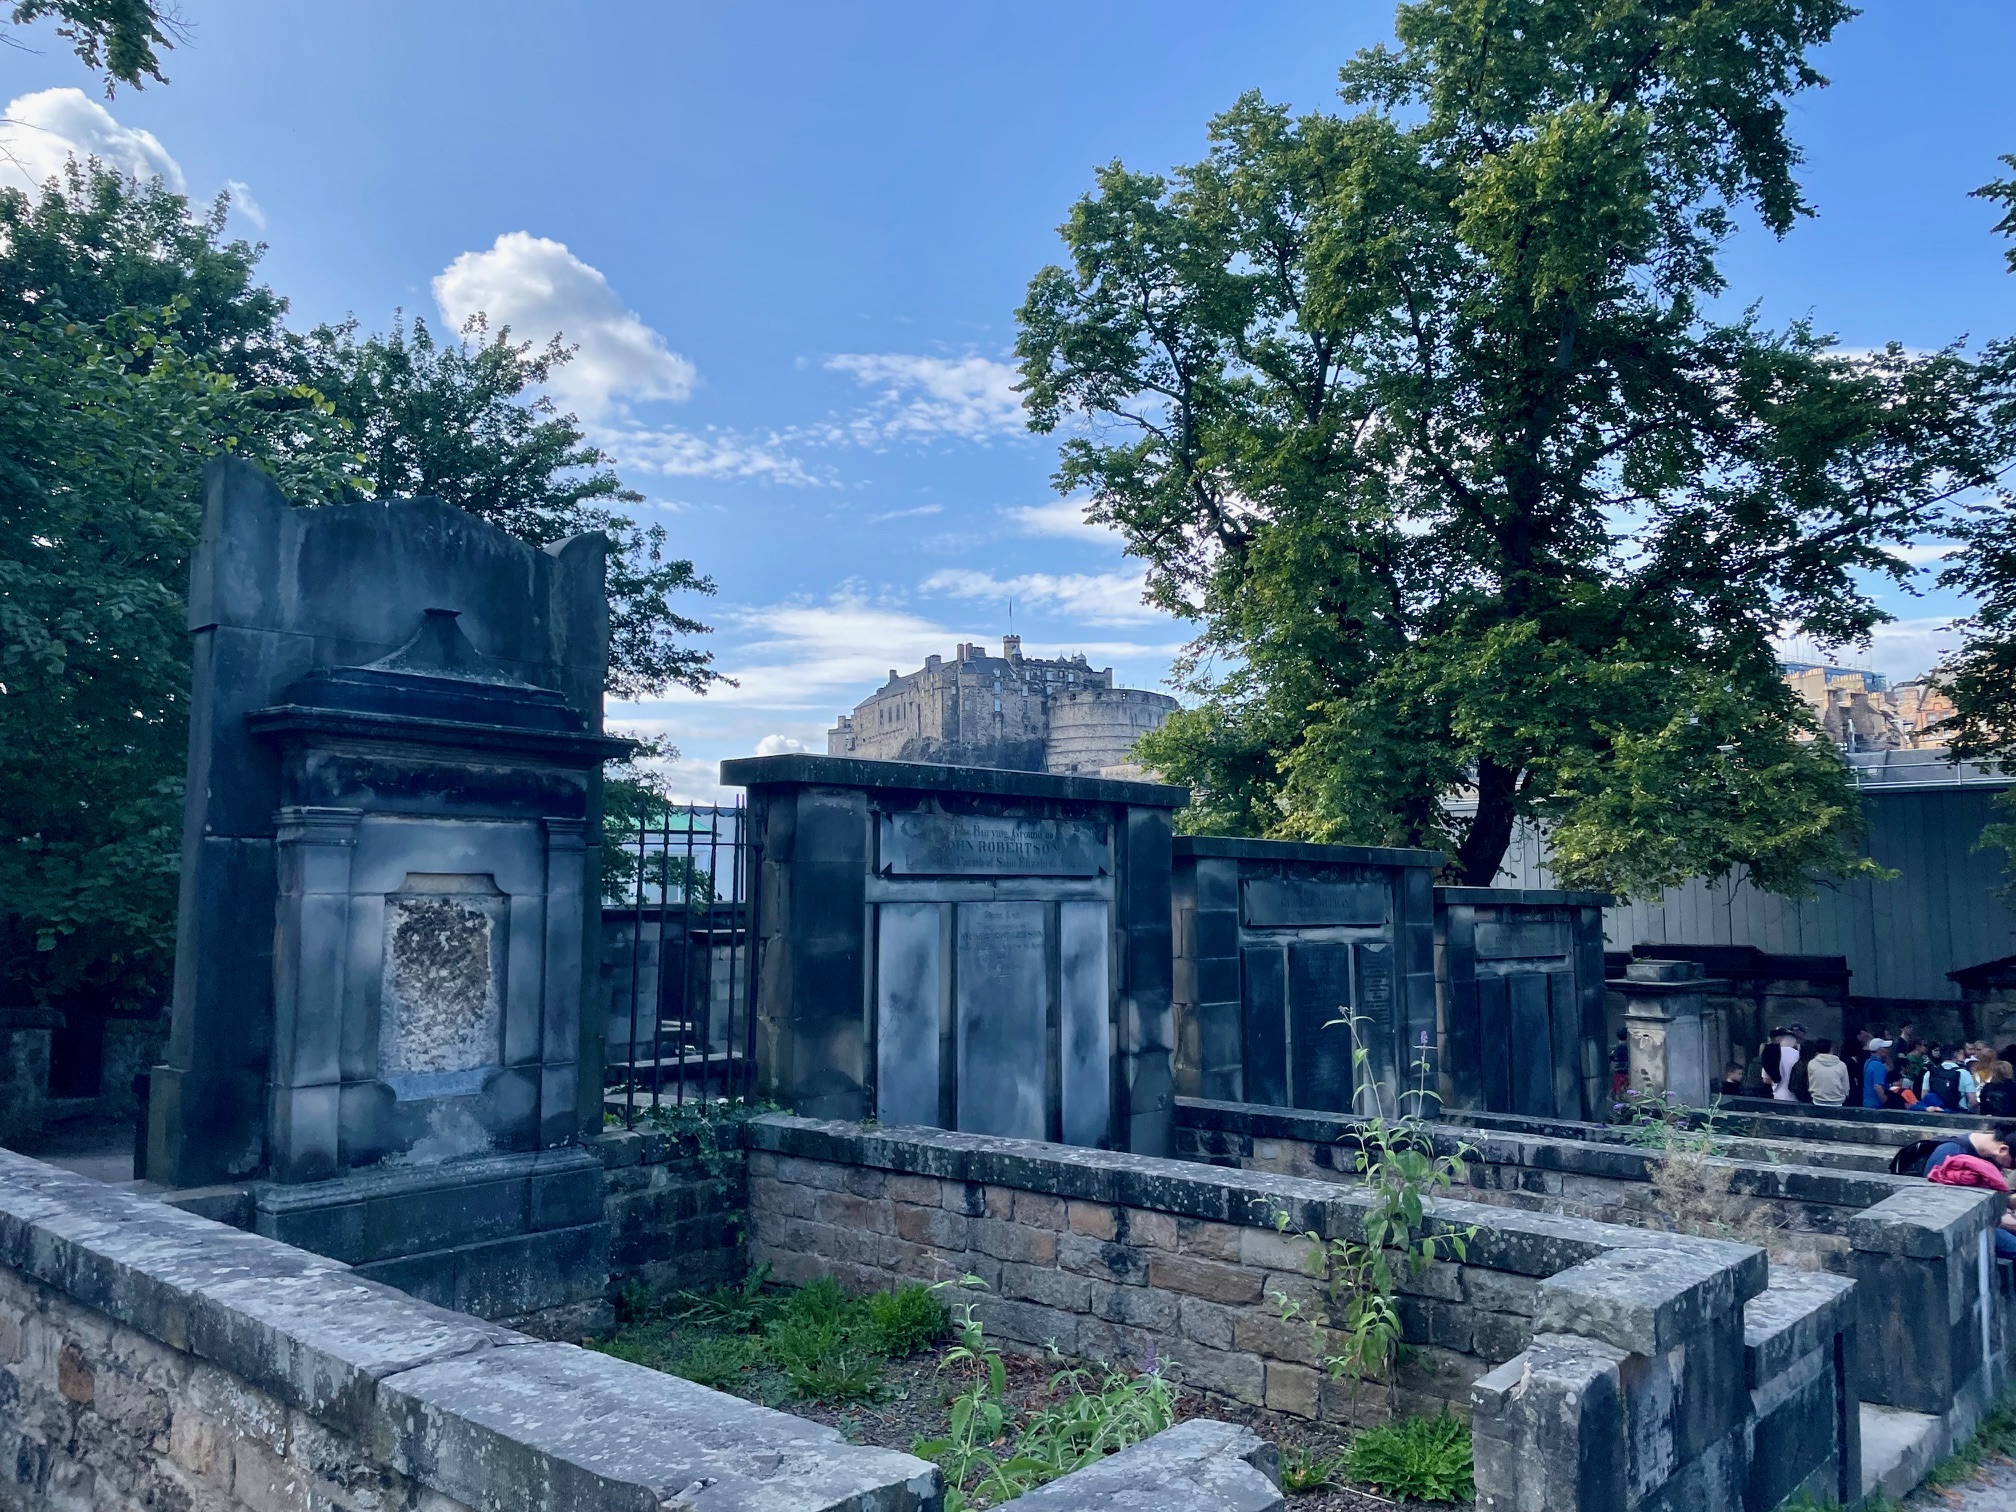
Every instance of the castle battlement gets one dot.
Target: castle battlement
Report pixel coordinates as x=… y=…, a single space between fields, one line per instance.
x=1012 y=712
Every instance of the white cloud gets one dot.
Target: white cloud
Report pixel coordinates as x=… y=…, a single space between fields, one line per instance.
x=1924 y=553
x=1064 y=518
x=40 y=132
x=779 y=745
x=1099 y=598
x=243 y=203
x=673 y=453
x=537 y=287
x=1901 y=650
x=973 y=398
x=905 y=514
x=821 y=655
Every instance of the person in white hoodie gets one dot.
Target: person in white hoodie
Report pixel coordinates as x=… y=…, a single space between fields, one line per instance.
x=1827 y=1076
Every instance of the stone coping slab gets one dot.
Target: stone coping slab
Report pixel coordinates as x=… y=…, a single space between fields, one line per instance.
x=551 y=1425
x=406 y=1180
x=805 y=769
x=468 y=1408
x=1795 y=1315
x=1648 y=1299
x=1926 y=1221
x=1201 y=1465
x=1568 y=1153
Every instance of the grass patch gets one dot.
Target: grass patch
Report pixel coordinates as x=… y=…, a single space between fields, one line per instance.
x=815 y=1344
x=1425 y=1458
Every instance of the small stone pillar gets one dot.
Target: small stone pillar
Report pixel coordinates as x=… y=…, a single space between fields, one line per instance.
x=25 y=1034
x=1666 y=1013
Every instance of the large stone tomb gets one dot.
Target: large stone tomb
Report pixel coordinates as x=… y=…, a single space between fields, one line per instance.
x=1523 y=1005
x=963 y=948
x=1278 y=945
x=388 y=890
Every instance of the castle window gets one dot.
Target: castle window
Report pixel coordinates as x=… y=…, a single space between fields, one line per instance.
x=997 y=706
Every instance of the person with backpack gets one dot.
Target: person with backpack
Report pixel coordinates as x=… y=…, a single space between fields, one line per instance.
x=1781 y=1058
x=1826 y=1076
x=1944 y=1082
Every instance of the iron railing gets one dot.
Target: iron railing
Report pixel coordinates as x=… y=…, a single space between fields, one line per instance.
x=677 y=951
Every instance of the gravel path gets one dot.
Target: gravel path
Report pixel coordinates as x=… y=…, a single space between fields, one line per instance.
x=1993 y=1491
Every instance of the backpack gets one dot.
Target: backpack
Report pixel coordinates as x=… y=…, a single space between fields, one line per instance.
x=1998 y=1098
x=1910 y=1161
x=1944 y=1083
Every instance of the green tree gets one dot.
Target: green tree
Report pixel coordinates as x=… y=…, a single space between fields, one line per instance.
x=97 y=243
x=122 y=38
x=1427 y=416
x=104 y=430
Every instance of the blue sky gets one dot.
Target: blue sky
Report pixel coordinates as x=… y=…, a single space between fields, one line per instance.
x=790 y=239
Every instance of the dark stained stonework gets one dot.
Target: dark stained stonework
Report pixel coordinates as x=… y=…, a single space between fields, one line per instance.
x=963 y=947
x=388 y=886
x=1276 y=942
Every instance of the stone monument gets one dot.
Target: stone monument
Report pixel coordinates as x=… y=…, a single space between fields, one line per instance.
x=1523 y=1003
x=963 y=947
x=1277 y=943
x=388 y=890
x=1666 y=1015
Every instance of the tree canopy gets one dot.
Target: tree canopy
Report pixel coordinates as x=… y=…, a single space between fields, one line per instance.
x=124 y=39
x=136 y=342
x=1434 y=418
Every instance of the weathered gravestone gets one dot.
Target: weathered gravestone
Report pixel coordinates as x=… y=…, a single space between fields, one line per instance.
x=964 y=948
x=387 y=890
x=1523 y=1005
x=1278 y=944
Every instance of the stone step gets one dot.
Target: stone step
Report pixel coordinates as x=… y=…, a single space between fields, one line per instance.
x=1898 y=1447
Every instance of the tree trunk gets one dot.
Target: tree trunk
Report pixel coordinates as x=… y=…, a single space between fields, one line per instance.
x=1490 y=833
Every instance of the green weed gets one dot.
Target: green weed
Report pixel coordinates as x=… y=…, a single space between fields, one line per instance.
x=903 y=1321
x=1305 y=1470
x=1424 y=1458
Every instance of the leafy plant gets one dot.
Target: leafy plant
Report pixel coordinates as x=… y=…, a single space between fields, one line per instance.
x=1359 y=1335
x=903 y=1321
x=1661 y=1121
x=1427 y=1459
x=1086 y=1422
x=1306 y=1470
x=715 y=1360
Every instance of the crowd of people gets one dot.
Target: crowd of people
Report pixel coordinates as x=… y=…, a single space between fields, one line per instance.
x=1901 y=1072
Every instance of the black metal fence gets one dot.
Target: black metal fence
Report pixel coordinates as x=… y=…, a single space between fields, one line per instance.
x=677 y=925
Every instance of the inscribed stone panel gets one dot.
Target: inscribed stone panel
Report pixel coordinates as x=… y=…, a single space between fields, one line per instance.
x=441 y=997
x=1003 y=1029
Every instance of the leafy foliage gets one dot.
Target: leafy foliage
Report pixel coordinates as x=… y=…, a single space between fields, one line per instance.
x=1307 y=1470
x=104 y=430
x=1426 y=1459
x=135 y=344
x=125 y=38
x=1421 y=414
x=1092 y=1417
x=825 y=1346
x=1358 y=1334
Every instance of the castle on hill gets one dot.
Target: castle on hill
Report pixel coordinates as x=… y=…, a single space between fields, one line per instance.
x=1010 y=712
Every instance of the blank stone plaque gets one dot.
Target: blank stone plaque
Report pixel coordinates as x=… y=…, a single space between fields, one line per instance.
x=909 y=975
x=1085 y=1075
x=1003 y=1034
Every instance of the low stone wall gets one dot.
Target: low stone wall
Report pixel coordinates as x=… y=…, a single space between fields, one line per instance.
x=1801 y=1214
x=675 y=1204
x=1602 y=1366
x=151 y=1358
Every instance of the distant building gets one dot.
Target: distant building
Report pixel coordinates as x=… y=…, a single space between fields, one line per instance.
x=1860 y=711
x=1010 y=712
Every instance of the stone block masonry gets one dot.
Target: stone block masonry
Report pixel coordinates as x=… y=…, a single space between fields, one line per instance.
x=150 y=1358
x=1602 y=1367
x=675 y=1205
